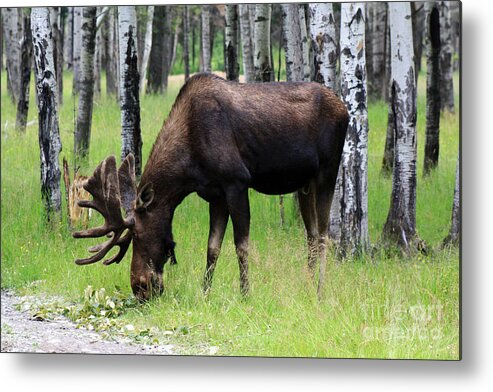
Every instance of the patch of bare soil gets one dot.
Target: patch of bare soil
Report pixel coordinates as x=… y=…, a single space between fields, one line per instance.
x=23 y=333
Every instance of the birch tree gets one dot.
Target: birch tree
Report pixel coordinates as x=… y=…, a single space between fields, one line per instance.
x=86 y=85
x=305 y=44
x=186 y=39
x=353 y=175
x=400 y=226
x=46 y=89
x=159 y=60
x=292 y=41
x=432 y=86
x=147 y=48
x=13 y=34
x=206 y=38
x=324 y=44
x=453 y=237
x=446 y=70
x=246 y=42
x=231 y=43
x=25 y=73
x=111 y=65
x=57 y=49
x=68 y=38
x=262 y=61
x=376 y=81
x=77 y=38
x=129 y=86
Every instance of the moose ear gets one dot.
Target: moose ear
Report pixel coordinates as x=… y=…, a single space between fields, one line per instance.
x=145 y=197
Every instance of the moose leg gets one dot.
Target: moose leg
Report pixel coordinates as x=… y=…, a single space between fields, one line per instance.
x=307 y=202
x=239 y=209
x=218 y=213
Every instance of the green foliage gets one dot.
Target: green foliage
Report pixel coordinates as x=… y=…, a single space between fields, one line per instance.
x=378 y=306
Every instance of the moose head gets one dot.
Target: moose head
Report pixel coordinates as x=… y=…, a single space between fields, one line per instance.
x=112 y=191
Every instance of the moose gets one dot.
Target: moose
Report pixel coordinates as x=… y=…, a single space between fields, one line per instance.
x=220 y=139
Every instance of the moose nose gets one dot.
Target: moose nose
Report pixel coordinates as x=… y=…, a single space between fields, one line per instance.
x=146 y=287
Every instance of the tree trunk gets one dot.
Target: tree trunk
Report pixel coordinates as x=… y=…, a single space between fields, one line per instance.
x=246 y=42
x=418 y=33
x=206 y=38
x=77 y=48
x=262 y=53
x=353 y=199
x=323 y=38
x=377 y=40
x=25 y=76
x=453 y=237
x=147 y=48
x=292 y=42
x=68 y=42
x=231 y=43
x=173 y=44
x=129 y=86
x=160 y=50
x=12 y=25
x=49 y=136
x=432 y=86
x=447 y=82
x=86 y=85
x=57 y=49
x=98 y=41
x=112 y=54
x=400 y=227
x=305 y=44
x=186 y=39
x=388 y=153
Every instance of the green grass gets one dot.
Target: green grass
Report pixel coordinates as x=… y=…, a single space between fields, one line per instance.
x=378 y=306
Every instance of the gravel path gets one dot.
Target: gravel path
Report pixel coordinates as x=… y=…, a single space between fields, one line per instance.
x=20 y=332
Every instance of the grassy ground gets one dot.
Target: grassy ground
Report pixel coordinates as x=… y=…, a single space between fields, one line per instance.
x=378 y=306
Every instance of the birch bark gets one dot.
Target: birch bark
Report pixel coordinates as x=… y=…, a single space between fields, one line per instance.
x=12 y=26
x=292 y=41
x=26 y=62
x=246 y=42
x=231 y=43
x=262 y=52
x=446 y=70
x=454 y=233
x=77 y=38
x=206 y=38
x=400 y=227
x=147 y=48
x=186 y=39
x=46 y=89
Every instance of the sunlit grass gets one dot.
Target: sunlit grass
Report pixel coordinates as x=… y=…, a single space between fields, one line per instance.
x=379 y=306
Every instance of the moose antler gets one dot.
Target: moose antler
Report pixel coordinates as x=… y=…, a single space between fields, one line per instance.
x=111 y=190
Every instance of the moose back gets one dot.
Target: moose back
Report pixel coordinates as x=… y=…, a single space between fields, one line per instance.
x=220 y=139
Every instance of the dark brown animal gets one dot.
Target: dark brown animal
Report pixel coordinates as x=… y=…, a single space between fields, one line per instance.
x=220 y=139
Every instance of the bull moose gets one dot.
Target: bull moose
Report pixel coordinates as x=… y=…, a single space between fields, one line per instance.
x=220 y=139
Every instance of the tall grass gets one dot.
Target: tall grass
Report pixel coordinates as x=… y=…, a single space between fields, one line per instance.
x=379 y=306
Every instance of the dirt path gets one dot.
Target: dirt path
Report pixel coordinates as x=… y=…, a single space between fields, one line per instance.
x=21 y=333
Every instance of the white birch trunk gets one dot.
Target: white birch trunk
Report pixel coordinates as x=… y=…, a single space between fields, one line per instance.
x=129 y=85
x=86 y=84
x=46 y=89
x=206 y=38
x=112 y=54
x=379 y=17
x=26 y=63
x=98 y=49
x=262 y=53
x=353 y=174
x=400 y=226
x=446 y=51
x=231 y=43
x=454 y=233
x=305 y=45
x=13 y=33
x=147 y=48
x=186 y=39
x=57 y=49
x=324 y=44
x=246 y=42
x=77 y=45
x=292 y=41
x=68 y=41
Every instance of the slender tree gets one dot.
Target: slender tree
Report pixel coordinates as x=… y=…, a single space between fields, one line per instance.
x=186 y=39
x=353 y=199
x=446 y=70
x=77 y=39
x=159 y=60
x=262 y=60
x=400 y=227
x=453 y=237
x=305 y=44
x=46 y=89
x=68 y=43
x=419 y=29
x=57 y=49
x=111 y=65
x=324 y=45
x=292 y=41
x=206 y=38
x=432 y=86
x=129 y=86
x=86 y=85
x=25 y=75
x=147 y=48
x=377 y=40
x=246 y=42
x=12 y=25
x=231 y=43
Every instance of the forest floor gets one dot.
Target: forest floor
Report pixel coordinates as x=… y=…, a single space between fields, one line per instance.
x=23 y=332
